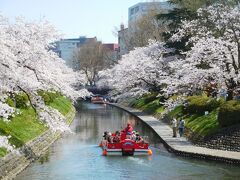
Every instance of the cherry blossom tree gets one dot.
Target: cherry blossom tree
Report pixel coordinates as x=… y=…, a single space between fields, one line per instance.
x=139 y=72
x=215 y=52
x=28 y=65
x=214 y=56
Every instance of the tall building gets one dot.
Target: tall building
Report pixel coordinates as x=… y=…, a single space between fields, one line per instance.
x=138 y=10
x=134 y=13
x=66 y=47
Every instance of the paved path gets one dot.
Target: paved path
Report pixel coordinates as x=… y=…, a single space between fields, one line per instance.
x=181 y=146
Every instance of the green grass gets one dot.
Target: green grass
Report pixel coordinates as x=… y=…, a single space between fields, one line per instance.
x=203 y=125
x=62 y=104
x=200 y=124
x=149 y=104
x=138 y=103
x=159 y=112
x=3 y=152
x=22 y=127
x=26 y=126
x=177 y=112
x=152 y=106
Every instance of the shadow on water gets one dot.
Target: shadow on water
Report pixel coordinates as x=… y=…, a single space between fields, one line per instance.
x=77 y=155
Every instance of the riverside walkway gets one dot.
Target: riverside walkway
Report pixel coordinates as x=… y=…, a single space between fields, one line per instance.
x=180 y=145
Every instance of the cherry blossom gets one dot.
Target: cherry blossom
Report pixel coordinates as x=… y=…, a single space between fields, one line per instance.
x=28 y=65
x=139 y=72
x=215 y=52
x=5 y=144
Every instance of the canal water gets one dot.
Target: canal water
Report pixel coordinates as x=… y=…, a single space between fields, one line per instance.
x=77 y=156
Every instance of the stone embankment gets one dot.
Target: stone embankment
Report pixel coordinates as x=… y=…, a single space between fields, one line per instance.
x=181 y=146
x=227 y=139
x=12 y=164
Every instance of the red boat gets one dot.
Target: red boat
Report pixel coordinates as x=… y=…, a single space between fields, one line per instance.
x=97 y=100
x=125 y=147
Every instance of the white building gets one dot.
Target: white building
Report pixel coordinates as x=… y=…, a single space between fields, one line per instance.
x=66 y=47
x=138 y=10
x=134 y=12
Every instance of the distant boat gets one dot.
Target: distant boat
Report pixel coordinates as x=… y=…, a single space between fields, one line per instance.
x=97 y=99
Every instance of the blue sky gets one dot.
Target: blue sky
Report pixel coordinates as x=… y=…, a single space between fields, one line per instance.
x=74 y=18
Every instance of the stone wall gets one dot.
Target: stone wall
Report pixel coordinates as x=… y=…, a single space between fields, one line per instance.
x=224 y=139
x=12 y=164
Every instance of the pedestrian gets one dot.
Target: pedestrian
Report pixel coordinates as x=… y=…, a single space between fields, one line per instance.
x=174 y=127
x=181 y=127
x=223 y=93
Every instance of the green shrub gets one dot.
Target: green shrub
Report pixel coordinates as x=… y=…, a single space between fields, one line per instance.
x=150 y=97
x=3 y=151
x=229 y=113
x=176 y=112
x=10 y=102
x=200 y=104
x=152 y=106
x=62 y=104
x=48 y=97
x=21 y=100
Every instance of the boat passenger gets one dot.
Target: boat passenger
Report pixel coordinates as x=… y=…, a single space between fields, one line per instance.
x=110 y=138
x=139 y=139
x=105 y=135
x=123 y=135
x=128 y=130
x=116 y=138
x=133 y=136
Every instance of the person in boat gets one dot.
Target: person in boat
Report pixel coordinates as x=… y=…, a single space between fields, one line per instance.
x=139 y=139
x=128 y=131
x=105 y=138
x=133 y=136
x=116 y=138
x=110 y=138
x=105 y=135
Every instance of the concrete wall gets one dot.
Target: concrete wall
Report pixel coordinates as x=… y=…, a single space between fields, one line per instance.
x=12 y=164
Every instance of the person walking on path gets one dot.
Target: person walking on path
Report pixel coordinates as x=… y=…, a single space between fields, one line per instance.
x=174 y=126
x=181 y=127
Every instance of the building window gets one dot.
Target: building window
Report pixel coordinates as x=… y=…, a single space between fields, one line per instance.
x=132 y=11
x=136 y=9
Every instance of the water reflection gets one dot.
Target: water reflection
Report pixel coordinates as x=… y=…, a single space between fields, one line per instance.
x=77 y=156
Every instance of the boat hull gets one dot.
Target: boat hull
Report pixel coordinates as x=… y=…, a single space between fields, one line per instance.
x=120 y=152
x=126 y=147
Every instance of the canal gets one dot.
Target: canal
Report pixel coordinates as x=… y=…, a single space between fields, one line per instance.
x=77 y=156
